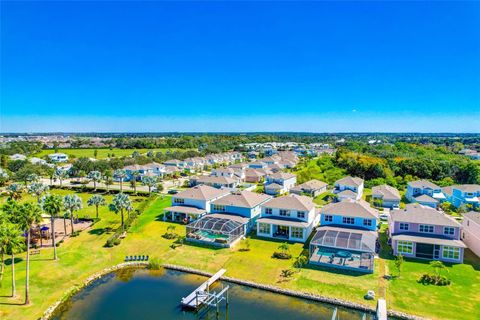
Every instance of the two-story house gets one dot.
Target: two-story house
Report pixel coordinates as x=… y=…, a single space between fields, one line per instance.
x=425 y=193
x=347 y=236
x=471 y=231
x=291 y=218
x=422 y=232
x=386 y=196
x=241 y=203
x=349 y=188
x=463 y=194
x=215 y=181
x=192 y=203
x=312 y=188
x=279 y=183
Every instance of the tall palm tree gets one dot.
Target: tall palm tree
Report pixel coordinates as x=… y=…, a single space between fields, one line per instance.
x=150 y=182
x=15 y=191
x=133 y=181
x=11 y=242
x=107 y=179
x=94 y=176
x=30 y=214
x=120 y=174
x=37 y=189
x=97 y=200
x=121 y=203
x=52 y=205
x=72 y=203
x=60 y=175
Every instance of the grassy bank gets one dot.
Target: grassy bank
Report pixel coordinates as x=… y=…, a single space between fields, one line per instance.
x=85 y=255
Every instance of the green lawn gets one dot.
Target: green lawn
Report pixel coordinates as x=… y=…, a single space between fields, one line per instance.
x=85 y=255
x=102 y=153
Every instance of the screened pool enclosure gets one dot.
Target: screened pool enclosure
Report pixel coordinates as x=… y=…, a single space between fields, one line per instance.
x=217 y=229
x=343 y=248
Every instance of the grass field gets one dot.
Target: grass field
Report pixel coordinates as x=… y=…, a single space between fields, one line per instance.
x=85 y=255
x=102 y=153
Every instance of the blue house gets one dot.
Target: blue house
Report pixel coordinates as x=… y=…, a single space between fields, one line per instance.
x=346 y=237
x=243 y=203
x=425 y=193
x=463 y=194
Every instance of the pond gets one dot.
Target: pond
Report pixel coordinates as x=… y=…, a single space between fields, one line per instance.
x=144 y=294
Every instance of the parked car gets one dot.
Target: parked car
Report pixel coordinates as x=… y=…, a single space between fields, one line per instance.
x=172 y=191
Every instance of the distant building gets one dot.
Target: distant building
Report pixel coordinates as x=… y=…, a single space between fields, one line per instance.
x=58 y=157
x=388 y=196
x=312 y=188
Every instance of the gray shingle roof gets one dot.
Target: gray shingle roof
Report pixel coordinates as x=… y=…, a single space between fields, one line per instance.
x=416 y=213
x=474 y=216
x=202 y=192
x=350 y=181
x=311 y=185
x=245 y=199
x=351 y=208
x=386 y=192
x=292 y=201
x=422 y=184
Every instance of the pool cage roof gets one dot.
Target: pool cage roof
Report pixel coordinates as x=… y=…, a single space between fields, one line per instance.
x=345 y=239
x=217 y=225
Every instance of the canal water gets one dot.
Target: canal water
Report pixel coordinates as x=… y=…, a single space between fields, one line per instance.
x=144 y=294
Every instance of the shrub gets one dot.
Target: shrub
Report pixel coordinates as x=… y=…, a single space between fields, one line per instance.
x=245 y=245
x=109 y=243
x=287 y=273
x=116 y=242
x=434 y=279
x=282 y=255
x=154 y=264
x=300 y=262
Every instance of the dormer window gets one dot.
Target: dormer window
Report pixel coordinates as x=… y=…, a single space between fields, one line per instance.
x=367 y=222
x=217 y=207
x=328 y=218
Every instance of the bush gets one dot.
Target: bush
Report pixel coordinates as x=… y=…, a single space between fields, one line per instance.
x=154 y=264
x=434 y=279
x=75 y=234
x=287 y=273
x=116 y=242
x=282 y=255
x=110 y=243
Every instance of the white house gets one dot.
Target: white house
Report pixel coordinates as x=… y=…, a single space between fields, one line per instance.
x=18 y=156
x=58 y=157
x=279 y=183
x=291 y=218
x=353 y=184
x=471 y=231
x=192 y=203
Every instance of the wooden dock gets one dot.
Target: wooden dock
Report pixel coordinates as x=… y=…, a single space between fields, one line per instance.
x=197 y=297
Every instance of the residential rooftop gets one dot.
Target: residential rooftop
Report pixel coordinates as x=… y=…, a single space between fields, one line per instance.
x=416 y=213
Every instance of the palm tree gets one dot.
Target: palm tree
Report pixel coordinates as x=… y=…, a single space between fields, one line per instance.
x=121 y=203
x=11 y=242
x=150 y=182
x=97 y=200
x=284 y=247
x=120 y=174
x=14 y=191
x=108 y=179
x=37 y=189
x=52 y=205
x=94 y=176
x=72 y=203
x=60 y=175
x=30 y=214
x=133 y=181
x=3 y=177
x=33 y=177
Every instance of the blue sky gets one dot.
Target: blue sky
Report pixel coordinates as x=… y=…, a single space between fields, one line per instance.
x=240 y=66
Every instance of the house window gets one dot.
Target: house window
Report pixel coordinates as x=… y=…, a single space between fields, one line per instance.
x=405 y=247
x=217 y=207
x=179 y=200
x=301 y=214
x=404 y=226
x=367 y=222
x=449 y=231
x=425 y=228
x=296 y=232
x=264 y=228
x=348 y=220
x=268 y=210
x=284 y=213
x=451 y=253
x=328 y=218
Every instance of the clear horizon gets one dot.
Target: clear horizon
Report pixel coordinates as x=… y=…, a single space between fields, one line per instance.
x=240 y=67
